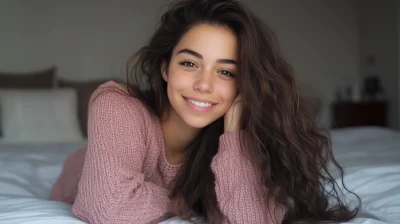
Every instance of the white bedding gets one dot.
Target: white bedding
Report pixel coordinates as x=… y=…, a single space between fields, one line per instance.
x=371 y=157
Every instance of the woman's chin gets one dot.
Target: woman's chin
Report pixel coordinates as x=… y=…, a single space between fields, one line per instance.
x=198 y=123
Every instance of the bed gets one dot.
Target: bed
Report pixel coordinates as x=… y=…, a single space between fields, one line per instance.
x=371 y=159
x=370 y=155
x=43 y=119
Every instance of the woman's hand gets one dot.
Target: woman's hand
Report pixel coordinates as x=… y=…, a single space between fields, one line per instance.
x=233 y=116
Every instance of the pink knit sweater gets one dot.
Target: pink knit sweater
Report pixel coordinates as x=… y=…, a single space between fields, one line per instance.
x=123 y=175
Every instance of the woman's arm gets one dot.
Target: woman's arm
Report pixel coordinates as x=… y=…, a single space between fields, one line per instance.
x=112 y=188
x=240 y=194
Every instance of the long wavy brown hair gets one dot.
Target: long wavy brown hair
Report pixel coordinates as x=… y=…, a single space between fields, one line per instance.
x=284 y=140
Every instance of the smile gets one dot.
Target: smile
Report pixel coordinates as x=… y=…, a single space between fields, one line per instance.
x=199 y=104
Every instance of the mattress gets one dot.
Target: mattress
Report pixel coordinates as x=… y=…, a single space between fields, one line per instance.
x=370 y=157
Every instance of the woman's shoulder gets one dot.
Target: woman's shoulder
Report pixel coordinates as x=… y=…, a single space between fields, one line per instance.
x=115 y=96
x=110 y=89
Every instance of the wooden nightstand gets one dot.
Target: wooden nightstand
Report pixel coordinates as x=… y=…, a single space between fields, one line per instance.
x=347 y=114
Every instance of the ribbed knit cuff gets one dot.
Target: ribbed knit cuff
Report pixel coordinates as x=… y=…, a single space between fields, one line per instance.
x=230 y=141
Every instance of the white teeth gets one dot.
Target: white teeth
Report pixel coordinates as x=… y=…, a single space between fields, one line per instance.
x=199 y=104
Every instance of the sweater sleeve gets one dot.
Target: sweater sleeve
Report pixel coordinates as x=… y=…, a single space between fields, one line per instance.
x=240 y=194
x=112 y=188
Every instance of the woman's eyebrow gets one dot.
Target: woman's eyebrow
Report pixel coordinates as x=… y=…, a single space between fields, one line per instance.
x=226 y=61
x=198 y=55
x=191 y=52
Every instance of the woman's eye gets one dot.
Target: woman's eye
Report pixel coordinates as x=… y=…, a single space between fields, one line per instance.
x=188 y=64
x=227 y=73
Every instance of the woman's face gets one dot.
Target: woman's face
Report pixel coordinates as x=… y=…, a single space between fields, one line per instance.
x=201 y=74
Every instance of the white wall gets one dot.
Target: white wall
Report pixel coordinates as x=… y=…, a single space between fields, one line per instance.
x=378 y=38
x=84 y=39
x=92 y=39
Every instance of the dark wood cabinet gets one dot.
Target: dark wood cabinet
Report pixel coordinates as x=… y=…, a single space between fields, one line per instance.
x=347 y=114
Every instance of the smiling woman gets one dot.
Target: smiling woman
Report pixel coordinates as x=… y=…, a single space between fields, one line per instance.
x=211 y=124
x=201 y=85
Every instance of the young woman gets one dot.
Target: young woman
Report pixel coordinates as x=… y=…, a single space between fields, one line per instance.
x=210 y=124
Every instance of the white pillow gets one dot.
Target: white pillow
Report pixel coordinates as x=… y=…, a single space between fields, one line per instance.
x=39 y=116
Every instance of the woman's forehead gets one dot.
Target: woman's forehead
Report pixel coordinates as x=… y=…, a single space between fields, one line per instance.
x=210 y=41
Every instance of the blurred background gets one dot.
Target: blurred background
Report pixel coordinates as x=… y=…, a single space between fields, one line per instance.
x=344 y=52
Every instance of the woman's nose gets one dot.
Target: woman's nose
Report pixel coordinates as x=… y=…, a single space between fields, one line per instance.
x=204 y=82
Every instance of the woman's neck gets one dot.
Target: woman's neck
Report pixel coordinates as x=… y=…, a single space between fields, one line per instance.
x=177 y=135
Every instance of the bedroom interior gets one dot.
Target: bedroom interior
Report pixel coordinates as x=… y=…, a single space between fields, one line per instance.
x=54 y=54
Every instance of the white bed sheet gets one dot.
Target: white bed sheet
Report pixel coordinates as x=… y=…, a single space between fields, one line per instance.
x=27 y=173
x=371 y=157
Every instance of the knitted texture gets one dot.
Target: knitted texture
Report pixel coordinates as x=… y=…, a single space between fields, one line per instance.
x=123 y=175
